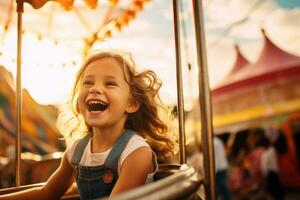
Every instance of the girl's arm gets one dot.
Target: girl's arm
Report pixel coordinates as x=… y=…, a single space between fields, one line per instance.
x=134 y=170
x=55 y=187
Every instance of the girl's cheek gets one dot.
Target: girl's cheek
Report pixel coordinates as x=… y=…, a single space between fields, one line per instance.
x=80 y=103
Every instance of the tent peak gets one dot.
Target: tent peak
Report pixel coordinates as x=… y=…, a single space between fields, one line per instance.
x=274 y=57
x=263 y=31
x=239 y=64
x=240 y=61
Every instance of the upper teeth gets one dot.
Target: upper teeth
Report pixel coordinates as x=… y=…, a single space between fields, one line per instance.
x=96 y=105
x=95 y=102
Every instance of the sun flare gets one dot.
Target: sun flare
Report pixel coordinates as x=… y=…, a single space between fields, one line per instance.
x=48 y=68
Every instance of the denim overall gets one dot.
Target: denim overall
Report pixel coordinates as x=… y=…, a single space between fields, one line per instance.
x=98 y=181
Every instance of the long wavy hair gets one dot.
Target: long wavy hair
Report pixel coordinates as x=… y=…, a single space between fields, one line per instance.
x=150 y=121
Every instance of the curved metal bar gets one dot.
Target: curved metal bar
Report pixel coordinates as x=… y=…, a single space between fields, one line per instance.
x=172 y=182
x=180 y=107
x=183 y=184
x=19 y=95
x=21 y=188
x=204 y=102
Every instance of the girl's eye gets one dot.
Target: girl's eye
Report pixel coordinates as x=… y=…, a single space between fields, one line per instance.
x=111 y=83
x=87 y=82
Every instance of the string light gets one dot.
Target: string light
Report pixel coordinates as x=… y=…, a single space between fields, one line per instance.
x=91 y=3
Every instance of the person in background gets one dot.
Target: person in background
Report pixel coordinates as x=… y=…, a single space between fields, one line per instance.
x=221 y=169
x=269 y=165
x=253 y=177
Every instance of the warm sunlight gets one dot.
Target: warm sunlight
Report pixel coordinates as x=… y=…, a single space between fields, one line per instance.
x=47 y=72
x=53 y=73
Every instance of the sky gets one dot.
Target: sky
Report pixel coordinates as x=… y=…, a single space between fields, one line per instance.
x=49 y=68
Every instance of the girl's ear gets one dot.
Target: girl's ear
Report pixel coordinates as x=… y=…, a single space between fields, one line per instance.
x=133 y=106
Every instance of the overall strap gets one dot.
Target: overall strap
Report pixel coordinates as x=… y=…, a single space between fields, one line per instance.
x=114 y=155
x=79 y=149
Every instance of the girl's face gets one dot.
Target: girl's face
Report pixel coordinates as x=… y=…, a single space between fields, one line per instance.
x=104 y=98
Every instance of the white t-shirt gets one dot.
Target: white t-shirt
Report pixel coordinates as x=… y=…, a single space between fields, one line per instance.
x=221 y=161
x=97 y=159
x=269 y=161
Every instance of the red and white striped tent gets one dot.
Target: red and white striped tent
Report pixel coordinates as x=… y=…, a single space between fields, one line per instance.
x=253 y=92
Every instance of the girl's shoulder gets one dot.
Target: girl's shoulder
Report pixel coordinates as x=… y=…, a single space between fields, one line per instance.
x=136 y=137
x=135 y=142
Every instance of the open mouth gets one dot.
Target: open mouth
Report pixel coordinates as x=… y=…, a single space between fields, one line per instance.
x=95 y=105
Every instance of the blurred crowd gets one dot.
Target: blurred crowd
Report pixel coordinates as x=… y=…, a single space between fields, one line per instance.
x=256 y=163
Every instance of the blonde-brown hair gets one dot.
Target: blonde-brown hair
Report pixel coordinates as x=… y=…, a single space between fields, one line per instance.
x=148 y=121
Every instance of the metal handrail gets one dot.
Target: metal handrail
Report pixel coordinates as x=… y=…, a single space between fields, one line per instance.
x=183 y=184
x=180 y=101
x=19 y=95
x=20 y=188
x=204 y=102
x=174 y=182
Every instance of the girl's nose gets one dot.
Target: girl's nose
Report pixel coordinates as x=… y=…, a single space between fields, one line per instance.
x=96 y=90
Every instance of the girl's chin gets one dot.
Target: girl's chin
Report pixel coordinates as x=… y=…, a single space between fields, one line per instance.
x=95 y=124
